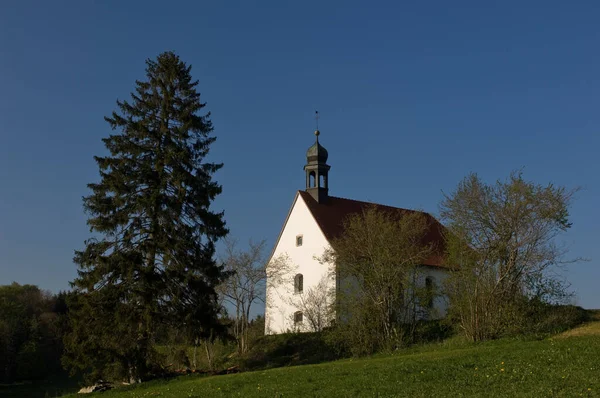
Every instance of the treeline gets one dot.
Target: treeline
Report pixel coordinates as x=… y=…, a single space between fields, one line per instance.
x=32 y=324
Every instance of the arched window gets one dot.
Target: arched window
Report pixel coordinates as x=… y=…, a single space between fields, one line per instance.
x=322 y=181
x=312 y=180
x=299 y=240
x=429 y=290
x=298 y=283
x=297 y=317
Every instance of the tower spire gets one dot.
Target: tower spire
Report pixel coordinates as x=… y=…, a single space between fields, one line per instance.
x=317 y=169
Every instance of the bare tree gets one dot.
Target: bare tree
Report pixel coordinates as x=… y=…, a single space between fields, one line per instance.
x=503 y=244
x=246 y=285
x=315 y=304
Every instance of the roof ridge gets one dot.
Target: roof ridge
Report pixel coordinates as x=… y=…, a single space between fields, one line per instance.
x=380 y=204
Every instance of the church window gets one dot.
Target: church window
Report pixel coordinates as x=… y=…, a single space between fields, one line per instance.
x=298 y=283
x=299 y=240
x=429 y=290
x=298 y=317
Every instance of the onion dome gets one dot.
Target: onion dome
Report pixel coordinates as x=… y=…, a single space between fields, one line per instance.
x=317 y=153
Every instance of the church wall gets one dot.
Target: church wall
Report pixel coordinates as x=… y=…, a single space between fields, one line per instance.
x=438 y=275
x=440 y=302
x=280 y=306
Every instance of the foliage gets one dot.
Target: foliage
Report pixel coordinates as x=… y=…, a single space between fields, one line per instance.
x=503 y=247
x=288 y=349
x=179 y=352
x=256 y=330
x=546 y=319
x=429 y=331
x=379 y=297
x=103 y=341
x=31 y=326
x=177 y=355
x=563 y=367
x=151 y=260
x=265 y=351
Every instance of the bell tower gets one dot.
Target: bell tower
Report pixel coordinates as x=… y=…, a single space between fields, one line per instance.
x=317 y=170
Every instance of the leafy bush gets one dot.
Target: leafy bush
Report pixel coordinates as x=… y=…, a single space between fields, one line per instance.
x=346 y=340
x=550 y=319
x=432 y=331
x=289 y=349
x=181 y=357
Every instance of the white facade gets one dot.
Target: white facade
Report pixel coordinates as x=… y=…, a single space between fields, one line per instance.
x=280 y=309
x=437 y=276
x=304 y=259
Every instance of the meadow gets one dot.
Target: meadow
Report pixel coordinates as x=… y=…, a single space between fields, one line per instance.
x=566 y=365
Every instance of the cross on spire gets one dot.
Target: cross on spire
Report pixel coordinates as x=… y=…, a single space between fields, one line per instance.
x=317 y=118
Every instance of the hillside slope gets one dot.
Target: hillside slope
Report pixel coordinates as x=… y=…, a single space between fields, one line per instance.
x=567 y=365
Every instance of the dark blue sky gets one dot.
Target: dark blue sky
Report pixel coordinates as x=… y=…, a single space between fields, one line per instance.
x=412 y=97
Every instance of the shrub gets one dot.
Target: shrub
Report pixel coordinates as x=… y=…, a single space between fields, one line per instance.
x=550 y=319
x=433 y=331
x=289 y=349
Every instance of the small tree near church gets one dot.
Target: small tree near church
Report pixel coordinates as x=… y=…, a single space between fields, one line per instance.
x=503 y=246
x=245 y=287
x=151 y=260
x=377 y=264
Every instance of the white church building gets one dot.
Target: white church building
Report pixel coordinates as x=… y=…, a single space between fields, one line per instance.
x=313 y=221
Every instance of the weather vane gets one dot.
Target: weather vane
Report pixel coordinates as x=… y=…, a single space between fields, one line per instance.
x=317 y=118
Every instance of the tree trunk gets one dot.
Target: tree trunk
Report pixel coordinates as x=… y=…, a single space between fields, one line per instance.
x=195 y=351
x=209 y=355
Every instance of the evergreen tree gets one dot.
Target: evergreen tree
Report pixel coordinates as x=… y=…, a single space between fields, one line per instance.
x=153 y=260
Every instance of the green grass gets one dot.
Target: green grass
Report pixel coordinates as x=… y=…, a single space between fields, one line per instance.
x=559 y=367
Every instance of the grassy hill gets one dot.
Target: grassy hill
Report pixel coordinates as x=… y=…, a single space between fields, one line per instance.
x=566 y=365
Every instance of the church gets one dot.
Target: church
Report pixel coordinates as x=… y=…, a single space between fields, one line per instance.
x=313 y=221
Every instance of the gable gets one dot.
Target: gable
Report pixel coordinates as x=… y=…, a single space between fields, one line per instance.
x=299 y=221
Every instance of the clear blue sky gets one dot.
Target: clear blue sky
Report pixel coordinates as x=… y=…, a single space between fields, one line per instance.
x=413 y=96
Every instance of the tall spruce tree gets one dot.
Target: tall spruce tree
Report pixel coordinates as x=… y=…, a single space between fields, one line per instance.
x=152 y=261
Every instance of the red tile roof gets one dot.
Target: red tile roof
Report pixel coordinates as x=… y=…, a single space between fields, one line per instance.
x=331 y=217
